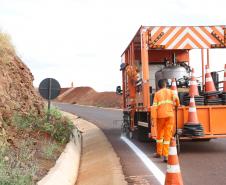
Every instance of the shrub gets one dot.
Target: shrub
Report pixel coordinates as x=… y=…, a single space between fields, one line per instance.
x=59 y=127
x=49 y=150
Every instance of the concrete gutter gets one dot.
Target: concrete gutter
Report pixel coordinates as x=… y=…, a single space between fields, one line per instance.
x=66 y=169
x=98 y=163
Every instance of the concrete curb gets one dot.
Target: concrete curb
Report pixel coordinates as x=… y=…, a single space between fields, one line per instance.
x=82 y=156
x=66 y=169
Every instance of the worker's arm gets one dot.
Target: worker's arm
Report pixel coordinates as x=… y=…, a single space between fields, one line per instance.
x=176 y=100
x=154 y=108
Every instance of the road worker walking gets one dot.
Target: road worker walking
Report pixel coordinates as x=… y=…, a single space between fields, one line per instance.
x=163 y=115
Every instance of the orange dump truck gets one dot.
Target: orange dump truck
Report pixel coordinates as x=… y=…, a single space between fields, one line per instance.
x=158 y=52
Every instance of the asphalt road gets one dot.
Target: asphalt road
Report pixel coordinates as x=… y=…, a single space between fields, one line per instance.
x=202 y=163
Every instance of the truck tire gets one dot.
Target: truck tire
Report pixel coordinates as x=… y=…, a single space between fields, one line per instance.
x=142 y=134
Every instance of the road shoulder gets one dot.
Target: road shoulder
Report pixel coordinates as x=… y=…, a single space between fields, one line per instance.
x=99 y=163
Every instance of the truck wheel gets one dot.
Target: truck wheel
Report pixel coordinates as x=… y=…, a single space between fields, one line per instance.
x=124 y=129
x=142 y=134
x=130 y=134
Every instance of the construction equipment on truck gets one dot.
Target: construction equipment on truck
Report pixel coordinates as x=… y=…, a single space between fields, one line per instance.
x=162 y=52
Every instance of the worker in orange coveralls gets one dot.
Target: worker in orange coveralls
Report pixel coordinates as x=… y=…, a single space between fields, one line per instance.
x=163 y=115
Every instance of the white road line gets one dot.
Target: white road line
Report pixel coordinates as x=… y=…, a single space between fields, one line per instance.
x=159 y=175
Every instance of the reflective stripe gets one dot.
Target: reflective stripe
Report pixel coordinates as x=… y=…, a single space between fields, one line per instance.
x=224 y=78
x=166 y=142
x=225 y=70
x=159 y=140
x=192 y=100
x=173 y=83
x=209 y=79
x=193 y=83
x=173 y=168
x=155 y=104
x=165 y=102
x=207 y=70
x=192 y=109
x=172 y=150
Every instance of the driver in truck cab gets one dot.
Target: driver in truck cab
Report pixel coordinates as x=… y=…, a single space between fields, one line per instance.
x=162 y=114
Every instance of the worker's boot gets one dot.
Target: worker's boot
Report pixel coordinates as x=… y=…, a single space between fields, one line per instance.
x=156 y=155
x=165 y=159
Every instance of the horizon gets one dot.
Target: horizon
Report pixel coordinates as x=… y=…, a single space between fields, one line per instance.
x=82 y=40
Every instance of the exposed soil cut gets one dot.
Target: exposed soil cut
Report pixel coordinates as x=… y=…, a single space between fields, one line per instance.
x=25 y=154
x=88 y=96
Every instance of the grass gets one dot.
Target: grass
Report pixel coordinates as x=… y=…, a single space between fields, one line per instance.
x=59 y=127
x=17 y=168
x=49 y=149
x=19 y=163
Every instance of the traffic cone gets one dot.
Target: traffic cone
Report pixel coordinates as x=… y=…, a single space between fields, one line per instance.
x=224 y=90
x=192 y=114
x=173 y=174
x=174 y=87
x=193 y=88
x=209 y=84
x=192 y=127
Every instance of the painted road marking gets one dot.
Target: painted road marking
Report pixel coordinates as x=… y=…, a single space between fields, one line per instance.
x=159 y=175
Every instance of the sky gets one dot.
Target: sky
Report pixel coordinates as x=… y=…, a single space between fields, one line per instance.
x=81 y=41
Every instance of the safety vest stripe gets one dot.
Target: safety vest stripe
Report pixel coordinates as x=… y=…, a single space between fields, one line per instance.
x=224 y=78
x=155 y=104
x=173 y=168
x=165 y=102
x=172 y=150
x=159 y=140
x=166 y=142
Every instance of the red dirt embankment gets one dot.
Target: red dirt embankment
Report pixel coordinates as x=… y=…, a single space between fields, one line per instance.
x=88 y=96
x=17 y=94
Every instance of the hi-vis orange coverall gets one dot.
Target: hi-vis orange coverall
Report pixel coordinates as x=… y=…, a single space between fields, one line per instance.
x=162 y=113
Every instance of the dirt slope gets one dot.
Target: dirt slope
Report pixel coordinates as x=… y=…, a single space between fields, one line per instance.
x=17 y=93
x=88 y=96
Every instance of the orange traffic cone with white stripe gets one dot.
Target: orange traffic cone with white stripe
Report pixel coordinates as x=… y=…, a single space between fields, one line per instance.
x=192 y=114
x=224 y=90
x=174 y=87
x=193 y=88
x=173 y=174
x=209 y=85
x=192 y=127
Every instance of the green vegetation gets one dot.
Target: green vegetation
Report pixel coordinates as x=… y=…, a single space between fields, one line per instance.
x=59 y=127
x=18 y=167
x=49 y=150
x=36 y=141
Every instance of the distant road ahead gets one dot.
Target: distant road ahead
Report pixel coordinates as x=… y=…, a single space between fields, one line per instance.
x=202 y=163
